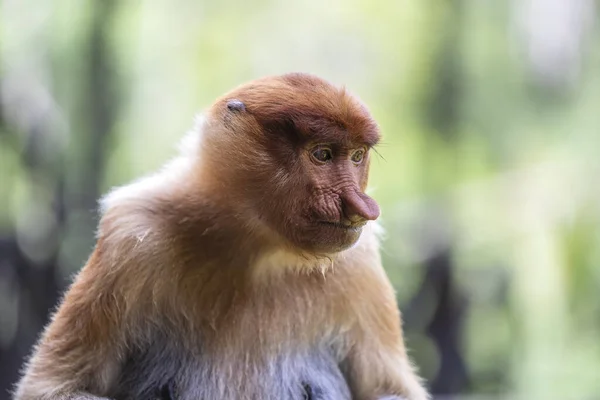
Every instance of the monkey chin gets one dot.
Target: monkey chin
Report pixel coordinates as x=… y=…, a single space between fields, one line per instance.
x=331 y=238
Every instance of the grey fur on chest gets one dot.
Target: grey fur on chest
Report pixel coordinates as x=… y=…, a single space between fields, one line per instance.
x=166 y=371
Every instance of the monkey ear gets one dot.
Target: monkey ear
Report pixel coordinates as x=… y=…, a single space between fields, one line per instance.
x=236 y=105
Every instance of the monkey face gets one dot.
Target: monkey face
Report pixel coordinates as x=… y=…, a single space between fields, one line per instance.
x=312 y=193
x=336 y=207
x=302 y=147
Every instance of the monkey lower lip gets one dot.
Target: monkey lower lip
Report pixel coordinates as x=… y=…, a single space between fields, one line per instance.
x=340 y=225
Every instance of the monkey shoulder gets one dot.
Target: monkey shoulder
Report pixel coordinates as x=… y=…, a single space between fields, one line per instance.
x=142 y=211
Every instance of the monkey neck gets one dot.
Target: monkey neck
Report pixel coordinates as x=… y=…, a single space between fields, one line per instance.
x=182 y=206
x=219 y=231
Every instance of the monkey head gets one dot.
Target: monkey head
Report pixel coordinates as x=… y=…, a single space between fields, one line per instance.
x=294 y=152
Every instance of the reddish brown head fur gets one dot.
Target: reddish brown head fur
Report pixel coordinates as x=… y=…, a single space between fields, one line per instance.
x=268 y=131
x=307 y=107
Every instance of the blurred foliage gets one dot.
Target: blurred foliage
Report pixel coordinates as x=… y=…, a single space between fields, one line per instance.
x=488 y=175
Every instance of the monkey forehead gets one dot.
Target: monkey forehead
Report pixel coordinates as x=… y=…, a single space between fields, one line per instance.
x=307 y=106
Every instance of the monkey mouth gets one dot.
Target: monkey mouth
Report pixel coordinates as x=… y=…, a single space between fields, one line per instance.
x=343 y=226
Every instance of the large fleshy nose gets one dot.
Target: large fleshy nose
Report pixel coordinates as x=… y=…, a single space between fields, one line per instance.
x=359 y=208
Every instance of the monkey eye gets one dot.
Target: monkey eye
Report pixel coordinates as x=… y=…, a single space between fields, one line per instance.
x=358 y=156
x=322 y=154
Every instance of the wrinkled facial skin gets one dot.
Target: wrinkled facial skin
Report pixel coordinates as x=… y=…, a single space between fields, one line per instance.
x=337 y=207
x=317 y=197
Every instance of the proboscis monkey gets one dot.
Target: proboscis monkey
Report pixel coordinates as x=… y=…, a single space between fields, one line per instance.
x=248 y=268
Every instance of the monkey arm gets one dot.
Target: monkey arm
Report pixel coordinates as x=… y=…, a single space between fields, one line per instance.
x=377 y=364
x=77 y=355
x=377 y=372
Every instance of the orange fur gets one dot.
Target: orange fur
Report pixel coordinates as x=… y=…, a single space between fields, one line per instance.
x=200 y=250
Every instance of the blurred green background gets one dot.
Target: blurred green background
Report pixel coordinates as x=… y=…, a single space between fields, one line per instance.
x=488 y=174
